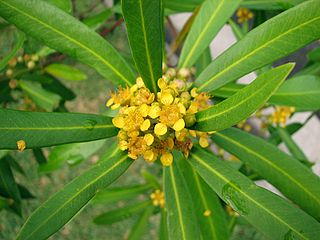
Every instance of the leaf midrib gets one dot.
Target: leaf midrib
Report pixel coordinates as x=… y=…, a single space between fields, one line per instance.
x=176 y=197
x=204 y=30
x=70 y=39
x=271 y=164
x=56 y=128
x=244 y=194
x=76 y=195
x=254 y=51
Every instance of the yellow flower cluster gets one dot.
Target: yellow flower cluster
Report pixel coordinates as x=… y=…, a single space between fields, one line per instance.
x=157 y=198
x=152 y=125
x=281 y=115
x=244 y=15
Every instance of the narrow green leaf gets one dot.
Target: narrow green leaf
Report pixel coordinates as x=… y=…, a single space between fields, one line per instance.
x=269 y=213
x=203 y=61
x=270 y=4
x=141 y=225
x=144 y=20
x=39 y=156
x=3 y=203
x=66 y=203
x=182 y=5
x=211 y=18
x=12 y=53
x=291 y=144
x=181 y=218
x=312 y=69
x=41 y=97
x=65 y=72
x=39 y=129
x=286 y=173
x=291 y=128
x=314 y=55
x=242 y=104
x=65 y=34
x=163 y=230
x=65 y=5
x=97 y=20
x=302 y=92
x=120 y=214
x=272 y=40
x=237 y=31
x=211 y=216
x=110 y=195
x=68 y=153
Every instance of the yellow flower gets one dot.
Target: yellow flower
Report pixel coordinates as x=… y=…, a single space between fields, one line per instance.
x=244 y=15
x=158 y=198
x=160 y=129
x=21 y=144
x=166 y=159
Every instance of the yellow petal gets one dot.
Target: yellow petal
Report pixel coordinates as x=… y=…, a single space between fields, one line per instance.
x=144 y=110
x=194 y=92
x=109 y=102
x=166 y=98
x=154 y=111
x=193 y=133
x=145 y=125
x=166 y=159
x=179 y=125
x=134 y=88
x=148 y=155
x=148 y=138
x=162 y=83
x=118 y=122
x=21 y=144
x=115 y=106
x=203 y=141
x=160 y=129
x=182 y=108
x=139 y=82
x=123 y=145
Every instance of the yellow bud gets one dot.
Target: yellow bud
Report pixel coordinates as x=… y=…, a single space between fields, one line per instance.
x=160 y=129
x=149 y=139
x=182 y=108
x=20 y=59
x=123 y=145
x=179 y=125
x=31 y=65
x=145 y=125
x=9 y=72
x=154 y=111
x=118 y=122
x=134 y=88
x=170 y=143
x=162 y=83
x=21 y=144
x=35 y=57
x=247 y=127
x=132 y=156
x=115 y=106
x=203 y=141
x=207 y=213
x=139 y=82
x=109 y=102
x=144 y=109
x=166 y=98
x=194 y=92
x=148 y=155
x=166 y=159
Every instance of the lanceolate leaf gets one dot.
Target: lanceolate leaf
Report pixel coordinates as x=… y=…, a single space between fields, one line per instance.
x=182 y=5
x=144 y=20
x=269 y=213
x=181 y=218
x=270 y=41
x=64 y=33
x=65 y=72
x=210 y=19
x=211 y=216
x=203 y=61
x=302 y=92
x=39 y=129
x=242 y=104
x=286 y=173
x=270 y=4
x=65 y=5
x=66 y=203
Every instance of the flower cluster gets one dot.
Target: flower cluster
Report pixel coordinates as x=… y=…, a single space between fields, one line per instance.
x=157 y=198
x=244 y=15
x=281 y=115
x=152 y=125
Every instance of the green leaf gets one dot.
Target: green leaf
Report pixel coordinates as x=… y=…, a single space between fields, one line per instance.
x=286 y=173
x=269 y=213
x=242 y=104
x=181 y=218
x=291 y=128
x=110 y=195
x=314 y=55
x=276 y=38
x=144 y=21
x=163 y=230
x=211 y=18
x=39 y=129
x=12 y=53
x=141 y=225
x=236 y=29
x=270 y=4
x=312 y=69
x=203 y=61
x=69 y=153
x=120 y=214
x=182 y=5
x=65 y=72
x=205 y=201
x=65 y=5
x=97 y=20
x=66 y=203
x=65 y=34
x=41 y=97
x=39 y=156
x=3 y=203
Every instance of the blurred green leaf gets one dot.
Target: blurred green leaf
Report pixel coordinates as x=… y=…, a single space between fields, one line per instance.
x=236 y=29
x=269 y=213
x=97 y=20
x=68 y=153
x=276 y=38
x=286 y=173
x=67 y=202
x=41 y=97
x=141 y=225
x=270 y=4
x=291 y=128
x=312 y=69
x=144 y=21
x=242 y=104
x=182 y=5
x=314 y=55
x=65 y=5
x=110 y=195
x=151 y=179
x=181 y=218
x=3 y=203
x=210 y=19
x=163 y=230
x=39 y=129
x=120 y=214
x=64 y=33
x=65 y=72
x=39 y=156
